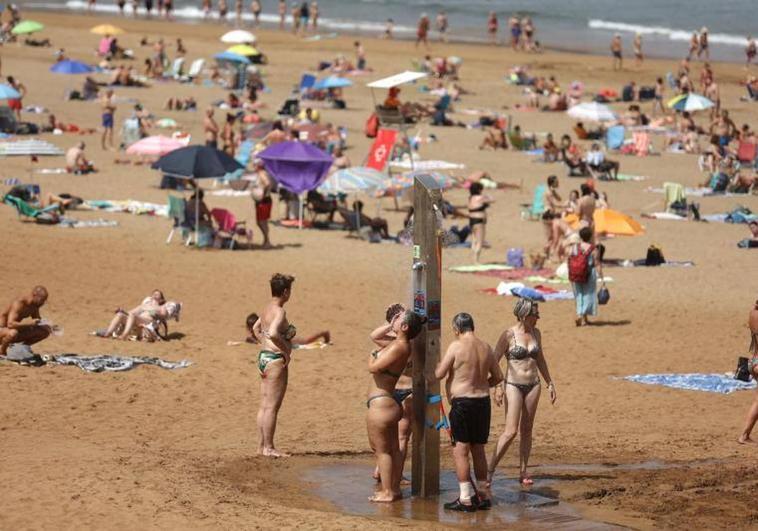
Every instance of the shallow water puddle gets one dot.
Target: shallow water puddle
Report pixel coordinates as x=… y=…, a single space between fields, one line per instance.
x=348 y=486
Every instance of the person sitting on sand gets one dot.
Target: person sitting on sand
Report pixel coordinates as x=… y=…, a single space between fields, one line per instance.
x=76 y=161
x=14 y=330
x=384 y=412
x=494 y=137
x=144 y=321
x=378 y=225
x=583 y=134
x=752 y=414
x=521 y=346
x=471 y=369
x=550 y=150
x=276 y=334
x=319 y=337
x=571 y=155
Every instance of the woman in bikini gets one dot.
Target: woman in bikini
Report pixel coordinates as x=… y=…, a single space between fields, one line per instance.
x=276 y=335
x=522 y=347
x=478 y=204
x=403 y=393
x=752 y=414
x=386 y=365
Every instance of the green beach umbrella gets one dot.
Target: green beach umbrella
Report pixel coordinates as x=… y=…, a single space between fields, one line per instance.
x=27 y=26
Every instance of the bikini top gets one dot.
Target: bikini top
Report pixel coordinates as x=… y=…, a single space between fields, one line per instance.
x=480 y=209
x=375 y=354
x=290 y=333
x=518 y=352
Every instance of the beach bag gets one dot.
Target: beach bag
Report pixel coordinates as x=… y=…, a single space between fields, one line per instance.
x=579 y=265
x=743 y=370
x=654 y=256
x=515 y=257
x=372 y=126
x=603 y=295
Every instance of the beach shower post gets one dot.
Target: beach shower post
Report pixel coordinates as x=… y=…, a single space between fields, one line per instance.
x=427 y=300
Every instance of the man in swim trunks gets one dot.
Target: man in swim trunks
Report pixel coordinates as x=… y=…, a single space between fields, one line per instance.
x=752 y=414
x=109 y=108
x=724 y=128
x=13 y=330
x=471 y=369
x=422 y=30
x=616 y=48
x=16 y=104
x=210 y=129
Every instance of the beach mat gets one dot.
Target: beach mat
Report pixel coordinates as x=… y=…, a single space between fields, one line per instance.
x=476 y=268
x=712 y=383
x=517 y=273
x=622 y=262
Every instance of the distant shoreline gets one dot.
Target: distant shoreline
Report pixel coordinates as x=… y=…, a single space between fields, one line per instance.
x=358 y=29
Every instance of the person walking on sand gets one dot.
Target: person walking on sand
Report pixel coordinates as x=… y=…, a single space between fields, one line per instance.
x=14 y=330
x=108 y=111
x=585 y=269
x=256 y=8
x=660 y=93
x=637 y=47
x=314 y=15
x=492 y=27
x=422 y=31
x=18 y=103
x=442 y=25
x=616 y=51
x=383 y=411
x=210 y=129
x=238 y=7
x=522 y=347
x=702 y=48
x=261 y=194
x=694 y=45
x=282 y=9
x=752 y=414
x=478 y=204
x=471 y=369
x=276 y=334
x=403 y=394
x=750 y=51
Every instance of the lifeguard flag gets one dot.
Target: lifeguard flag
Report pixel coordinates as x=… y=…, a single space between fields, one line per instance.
x=381 y=149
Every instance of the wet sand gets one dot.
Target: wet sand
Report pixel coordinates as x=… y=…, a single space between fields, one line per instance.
x=151 y=448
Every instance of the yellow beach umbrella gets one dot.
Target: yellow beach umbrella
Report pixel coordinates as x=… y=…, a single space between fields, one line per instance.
x=107 y=29
x=244 y=49
x=609 y=221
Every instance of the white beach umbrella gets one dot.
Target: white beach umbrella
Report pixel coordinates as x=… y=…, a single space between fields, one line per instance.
x=690 y=102
x=353 y=180
x=592 y=111
x=238 y=37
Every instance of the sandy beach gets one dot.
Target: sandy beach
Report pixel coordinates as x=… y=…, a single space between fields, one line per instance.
x=151 y=448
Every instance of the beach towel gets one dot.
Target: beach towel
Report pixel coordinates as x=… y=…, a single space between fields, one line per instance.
x=712 y=383
x=628 y=177
x=71 y=223
x=697 y=192
x=516 y=274
x=112 y=363
x=129 y=206
x=474 y=268
x=621 y=262
x=518 y=289
x=669 y=216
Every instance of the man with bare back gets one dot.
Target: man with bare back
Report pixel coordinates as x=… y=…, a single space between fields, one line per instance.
x=13 y=330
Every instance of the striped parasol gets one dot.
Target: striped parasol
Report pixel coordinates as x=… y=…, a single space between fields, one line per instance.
x=690 y=102
x=353 y=180
x=400 y=182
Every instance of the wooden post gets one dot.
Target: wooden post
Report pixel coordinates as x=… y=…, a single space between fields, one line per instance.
x=427 y=296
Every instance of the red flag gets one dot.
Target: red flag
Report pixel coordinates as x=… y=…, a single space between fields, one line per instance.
x=381 y=149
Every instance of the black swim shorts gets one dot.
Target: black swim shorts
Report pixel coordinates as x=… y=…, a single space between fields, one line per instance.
x=470 y=419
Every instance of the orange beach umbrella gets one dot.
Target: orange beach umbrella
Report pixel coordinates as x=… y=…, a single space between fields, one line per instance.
x=609 y=221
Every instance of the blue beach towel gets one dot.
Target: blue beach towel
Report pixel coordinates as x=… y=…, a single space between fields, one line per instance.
x=713 y=383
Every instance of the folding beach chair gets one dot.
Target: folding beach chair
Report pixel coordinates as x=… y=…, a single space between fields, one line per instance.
x=196 y=68
x=229 y=227
x=614 y=137
x=176 y=214
x=25 y=210
x=177 y=69
x=306 y=83
x=675 y=198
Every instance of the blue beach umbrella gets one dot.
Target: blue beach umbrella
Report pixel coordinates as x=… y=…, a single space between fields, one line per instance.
x=8 y=93
x=332 y=82
x=71 y=67
x=232 y=58
x=353 y=180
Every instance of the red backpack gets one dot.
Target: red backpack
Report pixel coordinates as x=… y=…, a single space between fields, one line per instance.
x=579 y=265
